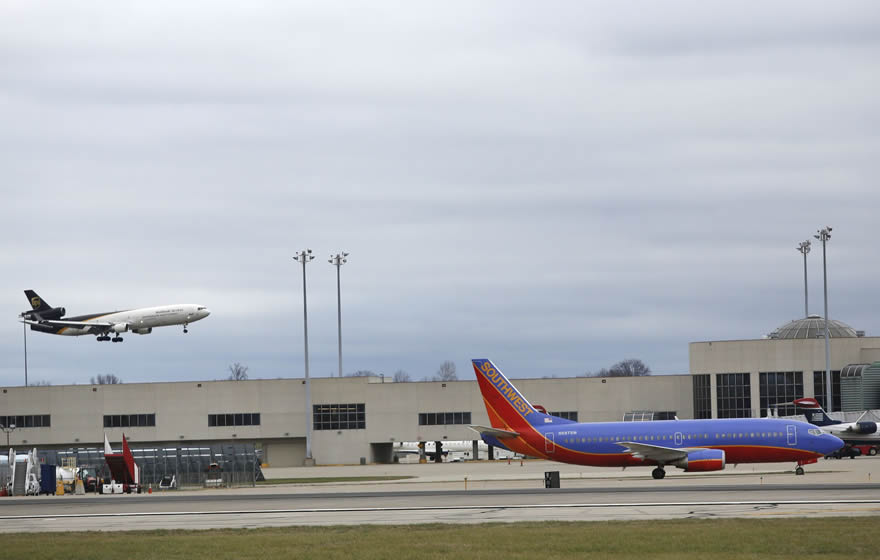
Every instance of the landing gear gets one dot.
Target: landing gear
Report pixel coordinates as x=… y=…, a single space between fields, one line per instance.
x=658 y=473
x=184 y=328
x=102 y=338
x=799 y=471
x=116 y=339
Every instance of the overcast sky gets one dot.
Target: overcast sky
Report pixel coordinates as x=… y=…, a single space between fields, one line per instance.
x=553 y=186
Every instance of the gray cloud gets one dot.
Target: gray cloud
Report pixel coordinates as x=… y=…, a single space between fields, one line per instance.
x=555 y=189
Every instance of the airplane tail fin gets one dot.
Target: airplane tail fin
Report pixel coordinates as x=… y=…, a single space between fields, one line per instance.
x=814 y=412
x=507 y=408
x=38 y=304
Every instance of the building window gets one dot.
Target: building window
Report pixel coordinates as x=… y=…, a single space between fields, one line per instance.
x=734 y=395
x=234 y=419
x=568 y=415
x=339 y=416
x=444 y=418
x=702 y=396
x=27 y=421
x=129 y=420
x=819 y=389
x=649 y=415
x=779 y=387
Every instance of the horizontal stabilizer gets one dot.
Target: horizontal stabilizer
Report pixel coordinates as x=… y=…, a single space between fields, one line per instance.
x=495 y=432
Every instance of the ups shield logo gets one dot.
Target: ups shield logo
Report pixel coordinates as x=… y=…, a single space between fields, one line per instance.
x=36 y=302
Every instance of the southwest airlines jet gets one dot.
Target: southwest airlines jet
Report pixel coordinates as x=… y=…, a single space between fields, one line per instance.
x=692 y=445
x=45 y=318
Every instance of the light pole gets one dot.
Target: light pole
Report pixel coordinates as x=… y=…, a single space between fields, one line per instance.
x=338 y=260
x=824 y=235
x=8 y=429
x=305 y=257
x=804 y=248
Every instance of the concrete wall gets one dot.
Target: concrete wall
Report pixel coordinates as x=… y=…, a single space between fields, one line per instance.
x=807 y=355
x=392 y=411
x=755 y=356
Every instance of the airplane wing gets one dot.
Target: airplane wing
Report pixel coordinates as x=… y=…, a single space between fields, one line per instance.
x=93 y=326
x=656 y=452
x=496 y=432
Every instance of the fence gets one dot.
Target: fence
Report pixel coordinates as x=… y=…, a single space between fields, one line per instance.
x=231 y=464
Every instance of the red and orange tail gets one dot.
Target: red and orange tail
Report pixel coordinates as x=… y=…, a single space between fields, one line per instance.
x=505 y=405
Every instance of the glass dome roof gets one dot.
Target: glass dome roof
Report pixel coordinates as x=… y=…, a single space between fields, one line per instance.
x=813 y=327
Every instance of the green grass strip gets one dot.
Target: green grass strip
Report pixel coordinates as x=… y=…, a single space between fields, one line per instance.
x=825 y=538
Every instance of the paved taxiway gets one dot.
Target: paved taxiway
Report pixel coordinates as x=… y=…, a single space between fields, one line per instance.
x=495 y=492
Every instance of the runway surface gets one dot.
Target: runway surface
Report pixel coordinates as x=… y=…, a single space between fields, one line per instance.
x=495 y=494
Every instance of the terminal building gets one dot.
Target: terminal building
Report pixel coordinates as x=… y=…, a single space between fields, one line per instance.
x=360 y=419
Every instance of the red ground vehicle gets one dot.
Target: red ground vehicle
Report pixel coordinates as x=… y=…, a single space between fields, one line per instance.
x=853 y=450
x=867 y=448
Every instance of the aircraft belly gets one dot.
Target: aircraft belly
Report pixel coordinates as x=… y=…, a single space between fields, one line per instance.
x=764 y=454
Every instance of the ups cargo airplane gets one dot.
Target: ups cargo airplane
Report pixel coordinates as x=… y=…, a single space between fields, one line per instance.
x=45 y=318
x=691 y=445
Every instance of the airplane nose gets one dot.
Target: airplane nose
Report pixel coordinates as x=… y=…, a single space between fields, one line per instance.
x=206 y=311
x=831 y=443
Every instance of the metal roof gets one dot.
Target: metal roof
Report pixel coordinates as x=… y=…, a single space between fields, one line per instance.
x=814 y=327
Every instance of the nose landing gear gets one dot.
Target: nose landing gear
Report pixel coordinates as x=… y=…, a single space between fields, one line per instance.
x=184 y=328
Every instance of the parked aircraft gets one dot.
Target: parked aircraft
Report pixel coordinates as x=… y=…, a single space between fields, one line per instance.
x=691 y=445
x=858 y=433
x=451 y=450
x=45 y=318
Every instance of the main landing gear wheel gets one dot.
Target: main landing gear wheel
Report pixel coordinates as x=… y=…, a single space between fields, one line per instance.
x=799 y=471
x=658 y=473
x=116 y=339
x=102 y=338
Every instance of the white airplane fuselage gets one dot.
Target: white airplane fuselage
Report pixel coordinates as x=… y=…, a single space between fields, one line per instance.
x=143 y=319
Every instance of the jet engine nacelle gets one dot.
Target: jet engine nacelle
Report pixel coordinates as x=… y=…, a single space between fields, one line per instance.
x=146 y=330
x=865 y=427
x=119 y=327
x=703 y=460
x=54 y=313
x=49 y=314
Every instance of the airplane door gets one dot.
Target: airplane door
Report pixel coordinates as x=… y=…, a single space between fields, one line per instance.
x=792 y=434
x=679 y=439
x=550 y=442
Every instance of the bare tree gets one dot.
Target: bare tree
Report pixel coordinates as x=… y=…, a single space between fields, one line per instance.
x=237 y=372
x=625 y=368
x=401 y=376
x=108 y=379
x=42 y=383
x=362 y=373
x=446 y=372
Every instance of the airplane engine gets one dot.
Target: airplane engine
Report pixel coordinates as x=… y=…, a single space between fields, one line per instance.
x=146 y=330
x=865 y=427
x=54 y=313
x=119 y=327
x=703 y=460
x=48 y=314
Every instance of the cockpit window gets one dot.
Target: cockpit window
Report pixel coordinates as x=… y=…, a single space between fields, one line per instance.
x=815 y=431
